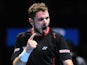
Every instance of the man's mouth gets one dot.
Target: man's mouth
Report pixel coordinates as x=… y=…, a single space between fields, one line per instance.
x=44 y=28
x=41 y=30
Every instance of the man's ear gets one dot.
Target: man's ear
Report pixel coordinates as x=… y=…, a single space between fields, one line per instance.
x=31 y=21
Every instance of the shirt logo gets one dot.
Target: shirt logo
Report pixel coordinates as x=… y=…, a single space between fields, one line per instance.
x=64 y=51
x=44 y=48
x=16 y=49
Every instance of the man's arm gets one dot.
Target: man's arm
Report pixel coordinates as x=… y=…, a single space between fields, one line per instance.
x=68 y=62
x=17 y=61
x=23 y=57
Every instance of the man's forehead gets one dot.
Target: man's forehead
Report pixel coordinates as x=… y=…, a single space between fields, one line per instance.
x=42 y=14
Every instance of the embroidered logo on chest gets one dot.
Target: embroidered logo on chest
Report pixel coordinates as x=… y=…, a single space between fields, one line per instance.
x=44 y=48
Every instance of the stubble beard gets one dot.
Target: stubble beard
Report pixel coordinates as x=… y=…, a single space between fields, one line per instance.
x=38 y=30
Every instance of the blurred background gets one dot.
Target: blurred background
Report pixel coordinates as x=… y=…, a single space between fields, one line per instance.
x=67 y=17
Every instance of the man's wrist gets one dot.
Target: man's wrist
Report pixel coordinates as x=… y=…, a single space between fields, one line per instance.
x=25 y=55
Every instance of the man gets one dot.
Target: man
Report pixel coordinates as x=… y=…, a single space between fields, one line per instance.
x=40 y=45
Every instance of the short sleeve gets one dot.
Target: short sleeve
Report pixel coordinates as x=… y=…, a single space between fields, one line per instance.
x=62 y=48
x=18 y=48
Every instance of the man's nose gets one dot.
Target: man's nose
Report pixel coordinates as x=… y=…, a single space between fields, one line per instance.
x=44 y=21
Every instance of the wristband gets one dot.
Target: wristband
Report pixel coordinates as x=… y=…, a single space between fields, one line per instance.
x=24 y=55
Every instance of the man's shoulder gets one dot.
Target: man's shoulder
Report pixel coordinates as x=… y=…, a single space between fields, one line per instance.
x=56 y=34
x=23 y=34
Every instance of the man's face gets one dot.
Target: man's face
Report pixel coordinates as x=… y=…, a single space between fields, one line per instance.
x=41 y=21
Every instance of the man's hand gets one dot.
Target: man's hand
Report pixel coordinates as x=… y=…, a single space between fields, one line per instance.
x=31 y=44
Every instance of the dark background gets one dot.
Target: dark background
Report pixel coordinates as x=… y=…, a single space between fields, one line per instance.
x=63 y=13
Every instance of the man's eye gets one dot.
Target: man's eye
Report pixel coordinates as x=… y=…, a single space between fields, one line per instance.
x=47 y=17
x=41 y=19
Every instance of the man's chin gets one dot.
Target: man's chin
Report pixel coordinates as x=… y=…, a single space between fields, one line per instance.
x=40 y=33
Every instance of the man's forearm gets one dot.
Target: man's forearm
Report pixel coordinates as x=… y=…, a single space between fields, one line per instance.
x=18 y=62
x=68 y=62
